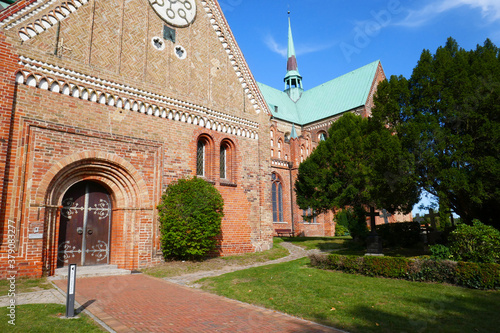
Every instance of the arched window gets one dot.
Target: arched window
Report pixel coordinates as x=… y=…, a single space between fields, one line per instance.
x=322 y=136
x=223 y=160
x=226 y=158
x=200 y=158
x=204 y=156
x=277 y=197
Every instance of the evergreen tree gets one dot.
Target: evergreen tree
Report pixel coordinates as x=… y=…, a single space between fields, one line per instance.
x=360 y=164
x=447 y=117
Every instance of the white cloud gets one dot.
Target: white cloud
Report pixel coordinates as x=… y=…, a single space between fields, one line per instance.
x=274 y=46
x=300 y=49
x=490 y=10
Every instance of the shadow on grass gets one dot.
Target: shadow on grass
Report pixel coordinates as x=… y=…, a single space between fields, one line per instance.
x=324 y=244
x=305 y=239
x=438 y=314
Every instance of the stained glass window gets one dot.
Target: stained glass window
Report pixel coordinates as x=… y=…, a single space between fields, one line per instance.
x=200 y=159
x=223 y=160
x=277 y=198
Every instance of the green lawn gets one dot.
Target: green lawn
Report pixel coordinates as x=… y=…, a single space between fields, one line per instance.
x=361 y=304
x=44 y=318
x=24 y=285
x=175 y=268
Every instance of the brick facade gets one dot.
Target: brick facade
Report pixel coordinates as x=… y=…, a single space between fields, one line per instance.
x=87 y=95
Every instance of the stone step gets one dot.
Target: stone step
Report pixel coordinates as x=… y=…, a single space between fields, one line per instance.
x=90 y=271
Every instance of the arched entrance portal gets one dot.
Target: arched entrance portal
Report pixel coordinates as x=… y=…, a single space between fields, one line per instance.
x=85 y=224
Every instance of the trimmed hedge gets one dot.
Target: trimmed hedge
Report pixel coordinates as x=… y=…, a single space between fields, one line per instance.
x=470 y=275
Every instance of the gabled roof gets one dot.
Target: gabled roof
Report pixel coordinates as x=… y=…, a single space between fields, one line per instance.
x=337 y=96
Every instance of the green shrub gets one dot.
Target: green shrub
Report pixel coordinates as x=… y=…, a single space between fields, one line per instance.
x=340 y=230
x=190 y=214
x=477 y=243
x=406 y=234
x=440 y=252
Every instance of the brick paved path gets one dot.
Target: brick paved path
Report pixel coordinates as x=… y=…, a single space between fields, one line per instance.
x=139 y=303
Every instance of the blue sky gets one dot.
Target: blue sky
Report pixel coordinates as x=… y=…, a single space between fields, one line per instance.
x=333 y=37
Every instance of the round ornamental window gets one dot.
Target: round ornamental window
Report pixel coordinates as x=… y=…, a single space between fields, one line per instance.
x=178 y=13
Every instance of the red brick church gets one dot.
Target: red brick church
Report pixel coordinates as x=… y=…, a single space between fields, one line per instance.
x=103 y=104
x=300 y=119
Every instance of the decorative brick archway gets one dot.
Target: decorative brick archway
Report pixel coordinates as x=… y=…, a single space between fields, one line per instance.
x=128 y=192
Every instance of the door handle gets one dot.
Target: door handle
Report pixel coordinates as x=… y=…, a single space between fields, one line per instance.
x=89 y=231
x=79 y=230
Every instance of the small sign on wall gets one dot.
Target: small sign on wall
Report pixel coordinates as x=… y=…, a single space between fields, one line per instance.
x=35 y=236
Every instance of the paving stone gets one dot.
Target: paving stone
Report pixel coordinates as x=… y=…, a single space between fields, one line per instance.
x=140 y=303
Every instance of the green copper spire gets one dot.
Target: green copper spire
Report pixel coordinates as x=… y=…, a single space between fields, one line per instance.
x=292 y=60
x=293 y=80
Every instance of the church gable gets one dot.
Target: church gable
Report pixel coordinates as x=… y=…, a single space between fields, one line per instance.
x=129 y=43
x=112 y=95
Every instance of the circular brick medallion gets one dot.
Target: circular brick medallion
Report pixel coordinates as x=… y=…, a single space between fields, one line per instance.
x=179 y=13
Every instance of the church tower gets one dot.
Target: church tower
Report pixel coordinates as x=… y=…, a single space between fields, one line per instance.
x=293 y=80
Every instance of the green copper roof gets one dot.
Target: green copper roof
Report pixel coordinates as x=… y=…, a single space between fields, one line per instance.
x=5 y=3
x=337 y=96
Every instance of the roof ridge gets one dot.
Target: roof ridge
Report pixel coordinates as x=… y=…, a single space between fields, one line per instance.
x=343 y=75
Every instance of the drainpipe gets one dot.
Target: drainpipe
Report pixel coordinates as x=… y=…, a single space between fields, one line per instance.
x=290 y=164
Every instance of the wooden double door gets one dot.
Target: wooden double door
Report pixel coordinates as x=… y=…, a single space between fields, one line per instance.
x=84 y=228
